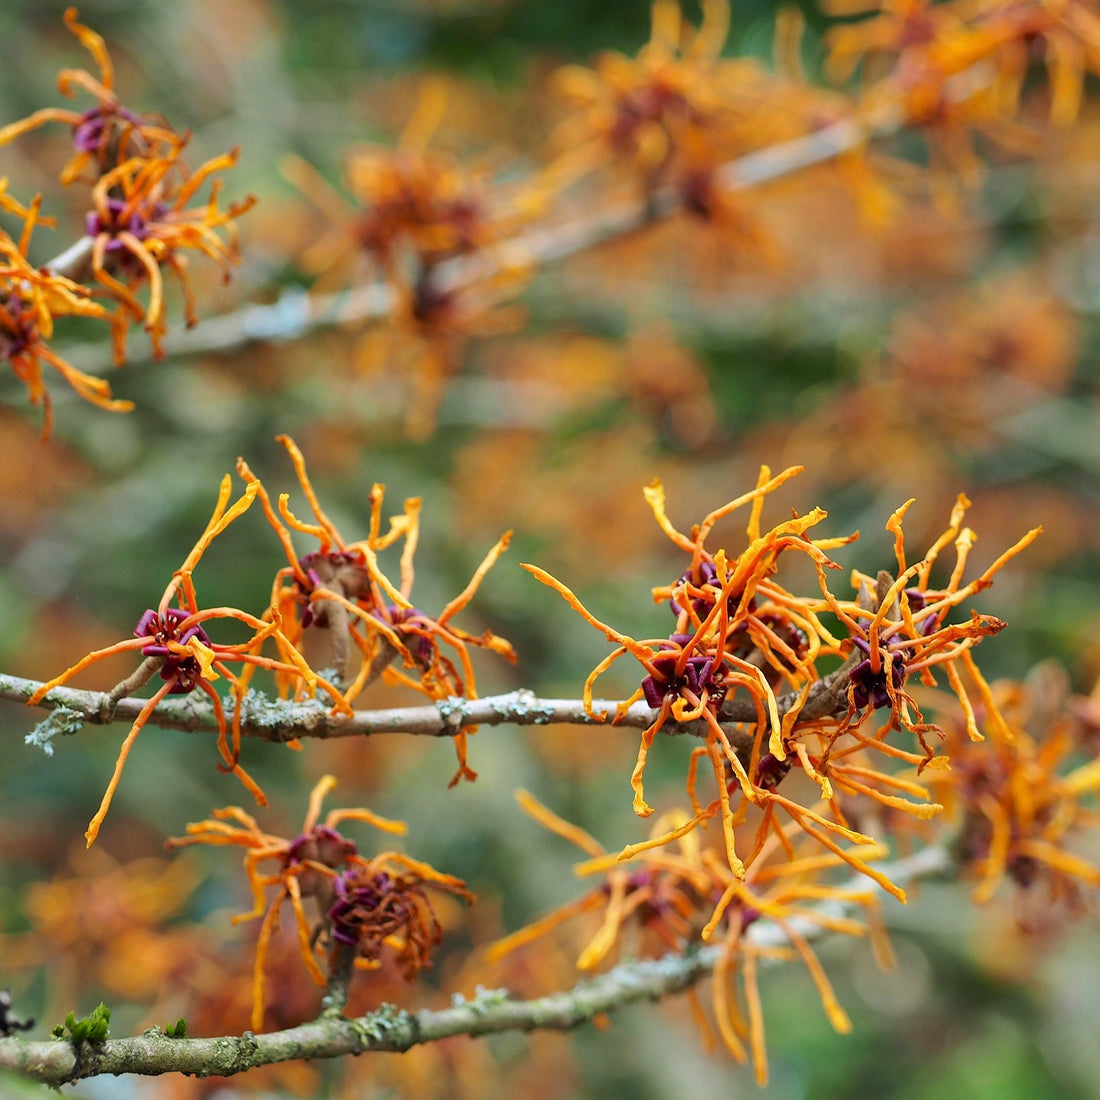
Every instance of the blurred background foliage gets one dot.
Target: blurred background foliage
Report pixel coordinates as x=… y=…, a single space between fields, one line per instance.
x=953 y=347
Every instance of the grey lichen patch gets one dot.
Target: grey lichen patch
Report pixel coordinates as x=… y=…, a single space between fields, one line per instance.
x=16 y=688
x=524 y=706
x=63 y=721
x=482 y=1001
x=333 y=676
x=511 y=707
x=453 y=713
x=226 y=1048
x=379 y=1025
x=260 y=712
x=245 y=1054
x=542 y=714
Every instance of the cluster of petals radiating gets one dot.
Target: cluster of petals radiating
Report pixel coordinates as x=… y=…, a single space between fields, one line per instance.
x=341 y=587
x=672 y=115
x=443 y=238
x=174 y=637
x=143 y=218
x=369 y=618
x=958 y=68
x=142 y=223
x=102 y=135
x=364 y=906
x=1024 y=796
x=743 y=666
x=652 y=898
x=31 y=299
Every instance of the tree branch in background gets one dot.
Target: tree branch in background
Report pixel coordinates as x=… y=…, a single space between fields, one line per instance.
x=296 y=313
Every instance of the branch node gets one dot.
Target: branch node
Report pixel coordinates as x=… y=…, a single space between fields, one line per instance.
x=452 y=714
x=245 y=1057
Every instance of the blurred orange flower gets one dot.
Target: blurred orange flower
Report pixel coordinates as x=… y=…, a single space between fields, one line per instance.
x=364 y=906
x=30 y=299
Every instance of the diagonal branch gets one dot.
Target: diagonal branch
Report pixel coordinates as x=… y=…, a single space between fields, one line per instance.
x=298 y=312
x=392 y=1029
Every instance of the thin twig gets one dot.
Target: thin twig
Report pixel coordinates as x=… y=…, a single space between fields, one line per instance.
x=75 y=262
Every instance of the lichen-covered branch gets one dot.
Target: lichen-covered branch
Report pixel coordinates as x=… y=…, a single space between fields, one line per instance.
x=391 y=1029
x=277 y=720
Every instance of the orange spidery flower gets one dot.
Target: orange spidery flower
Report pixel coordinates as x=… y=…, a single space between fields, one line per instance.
x=384 y=904
x=105 y=134
x=784 y=884
x=30 y=299
x=141 y=222
x=664 y=898
x=740 y=638
x=1020 y=798
x=899 y=626
x=959 y=67
x=735 y=629
x=364 y=906
x=663 y=895
x=1066 y=33
x=677 y=102
x=424 y=342
x=175 y=643
x=931 y=43
x=677 y=897
x=904 y=29
x=341 y=587
x=413 y=208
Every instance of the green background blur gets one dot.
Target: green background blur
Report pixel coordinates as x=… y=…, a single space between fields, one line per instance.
x=98 y=518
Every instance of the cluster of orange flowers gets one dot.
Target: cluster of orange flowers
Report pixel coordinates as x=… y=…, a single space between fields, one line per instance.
x=1020 y=800
x=30 y=299
x=140 y=222
x=414 y=211
x=364 y=906
x=339 y=587
x=672 y=118
x=958 y=67
x=670 y=121
x=740 y=638
x=673 y=115
x=828 y=725
x=744 y=666
x=665 y=893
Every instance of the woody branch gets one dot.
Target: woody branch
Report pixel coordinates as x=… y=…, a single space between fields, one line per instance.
x=390 y=1029
x=296 y=313
x=268 y=720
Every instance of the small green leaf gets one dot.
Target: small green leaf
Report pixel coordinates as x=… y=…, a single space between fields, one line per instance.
x=93 y=1028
